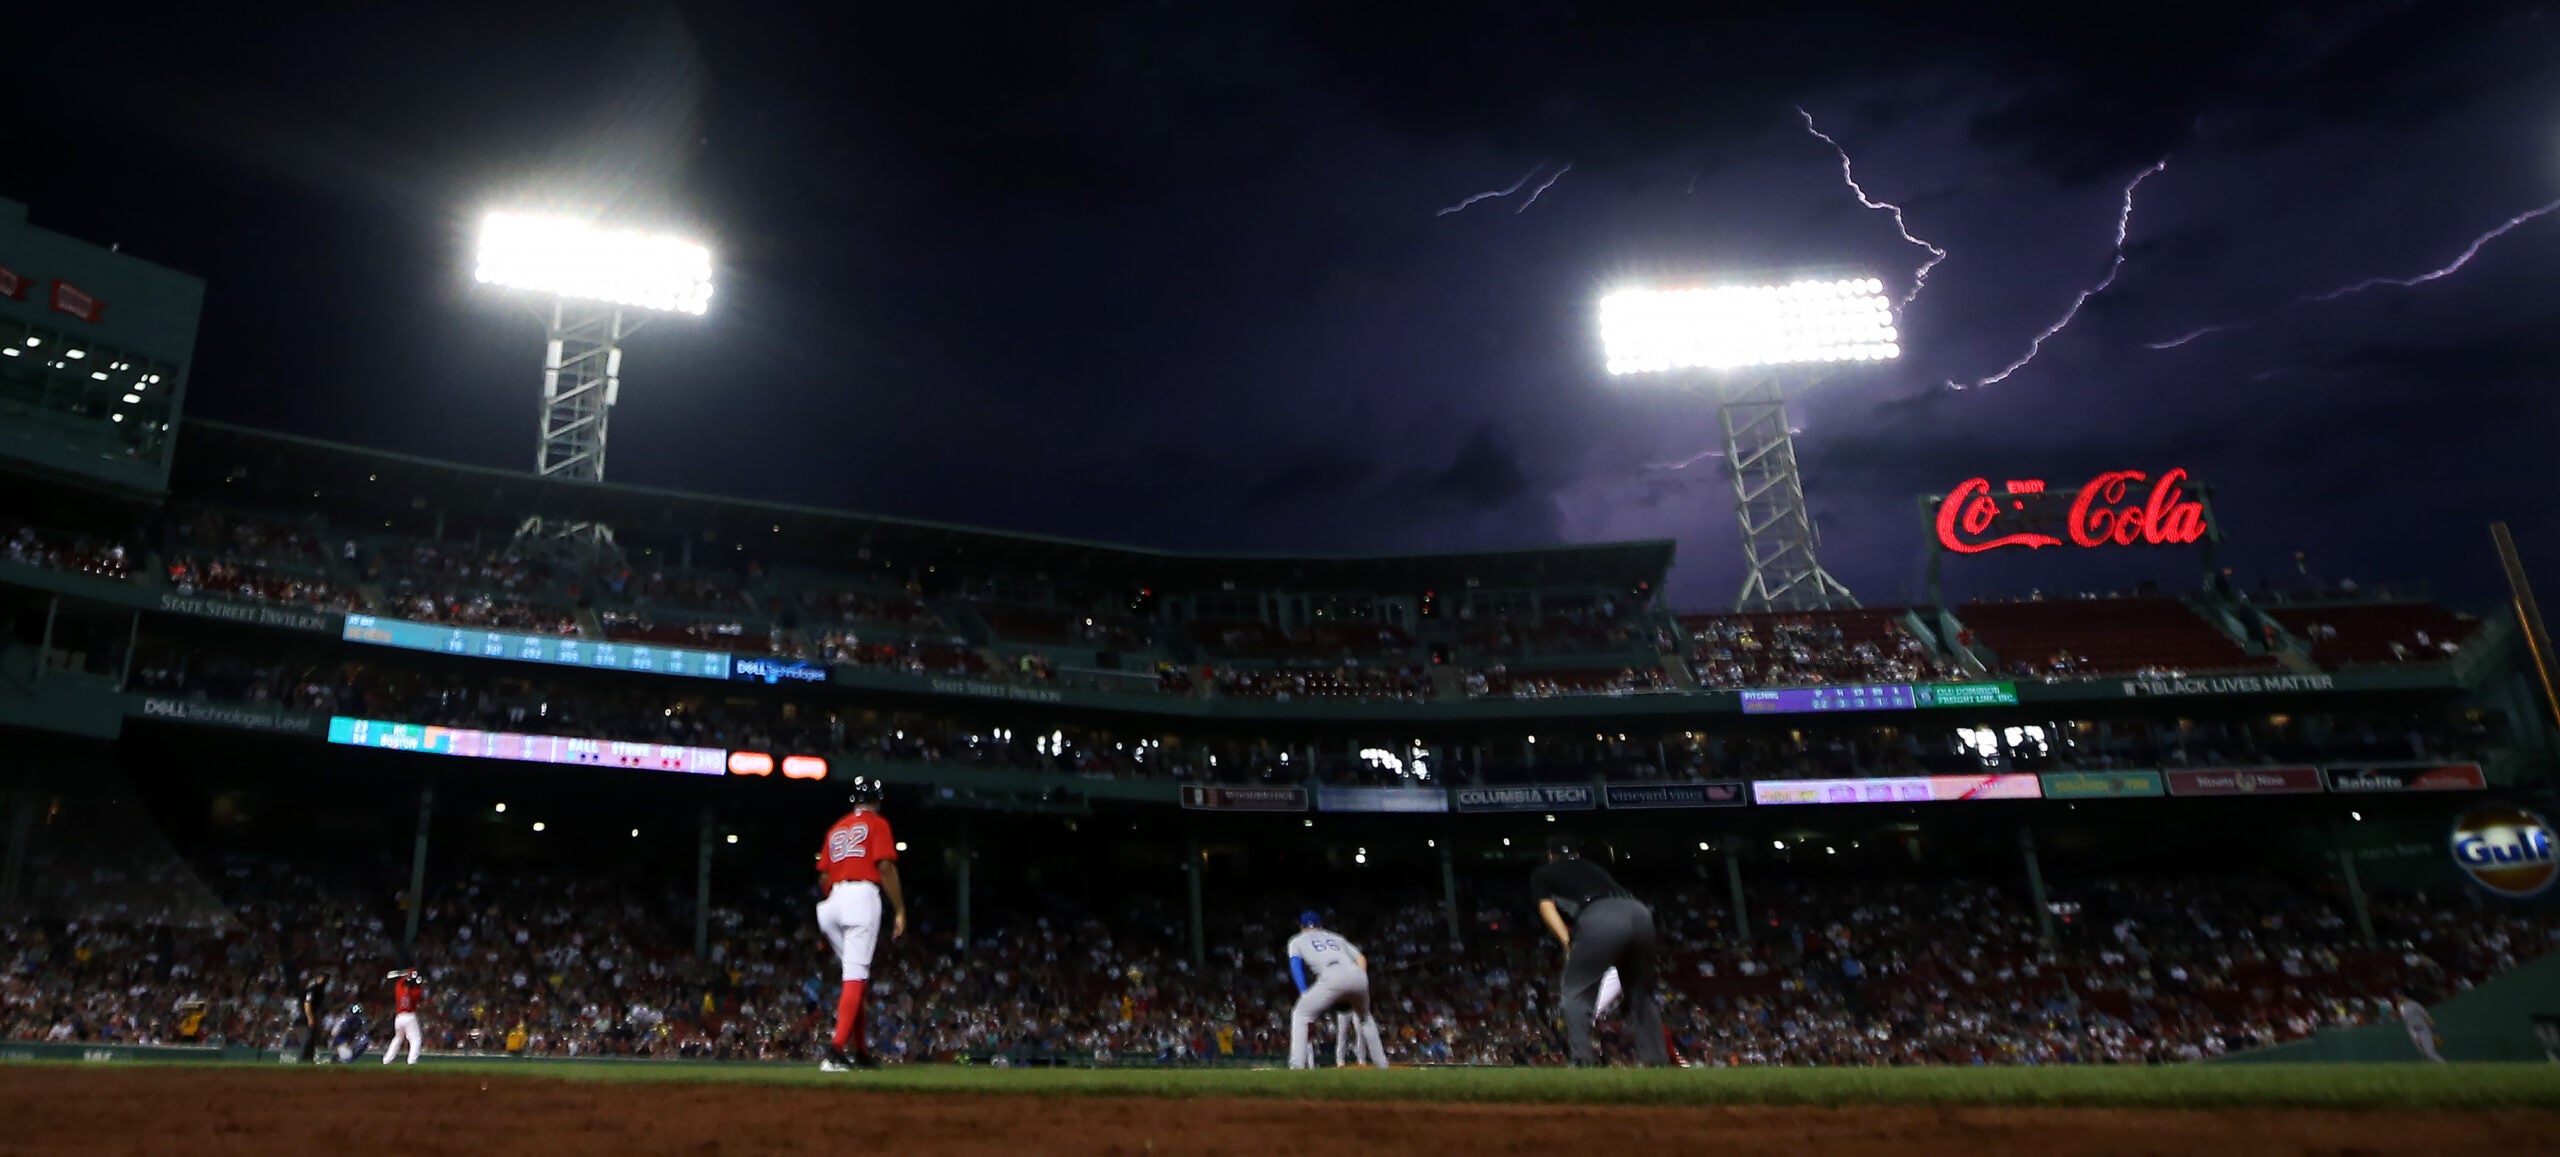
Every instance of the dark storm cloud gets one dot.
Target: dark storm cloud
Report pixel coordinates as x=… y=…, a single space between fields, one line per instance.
x=1318 y=474
x=1486 y=472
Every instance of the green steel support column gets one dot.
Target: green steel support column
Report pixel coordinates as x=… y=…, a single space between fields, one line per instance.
x=132 y=643
x=1193 y=865
x=2355 y=886
x=418 y=866
x=1733 y=876
x=702 y=890
x=968 y=852
x=44 y=645
x=2035 y=883
x=1449 y=891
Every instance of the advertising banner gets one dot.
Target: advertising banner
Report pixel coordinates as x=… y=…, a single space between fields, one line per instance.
x=1381 y=799
x=2103 y=785
x=771 y=670
x=1709 y=793
x=1245 y=799
x=1966 y=694
x=998 y=691
x=255 y=614
x=270 y=719
x=2408 y=777
x=562 y=650
x=2244 y=781
x=1532 y=797
x=1905 y=789
x=470 y=744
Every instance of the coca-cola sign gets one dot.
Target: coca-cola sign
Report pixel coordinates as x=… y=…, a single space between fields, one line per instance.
x=2117 y=508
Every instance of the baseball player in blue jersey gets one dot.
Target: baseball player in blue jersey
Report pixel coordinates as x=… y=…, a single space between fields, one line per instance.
x=1330 y=972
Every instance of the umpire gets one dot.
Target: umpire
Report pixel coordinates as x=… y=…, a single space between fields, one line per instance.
x=315 y=998
x=1602 y=926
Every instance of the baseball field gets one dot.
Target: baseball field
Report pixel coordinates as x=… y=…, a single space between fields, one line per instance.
x=480 y=1108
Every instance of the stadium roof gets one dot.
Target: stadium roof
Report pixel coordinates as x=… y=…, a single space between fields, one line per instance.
x=214 y=455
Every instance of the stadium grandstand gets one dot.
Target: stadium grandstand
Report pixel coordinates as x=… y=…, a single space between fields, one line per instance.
x=341 y=718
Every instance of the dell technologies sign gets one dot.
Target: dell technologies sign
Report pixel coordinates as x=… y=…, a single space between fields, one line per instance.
x=2505 y=849
x=776 y=670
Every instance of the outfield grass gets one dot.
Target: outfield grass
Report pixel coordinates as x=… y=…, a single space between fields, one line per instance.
x=2344 y=1086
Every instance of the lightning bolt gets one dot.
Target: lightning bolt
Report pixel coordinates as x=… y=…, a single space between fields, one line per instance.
x=1542 y=188
x=2124 y=228
x=2450 y=268
x=1490 y=194
x=1920 y=276
x=1687 y=462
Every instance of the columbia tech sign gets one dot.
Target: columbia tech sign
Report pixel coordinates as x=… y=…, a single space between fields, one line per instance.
x=2506 y=849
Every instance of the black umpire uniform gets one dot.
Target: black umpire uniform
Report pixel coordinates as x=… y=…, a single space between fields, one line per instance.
x=1610 y=928
x=315 y=997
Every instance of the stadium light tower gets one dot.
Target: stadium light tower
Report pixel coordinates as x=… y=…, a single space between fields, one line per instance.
x=1747 y=339
x=592 y=276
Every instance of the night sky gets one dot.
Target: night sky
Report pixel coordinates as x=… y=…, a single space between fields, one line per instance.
x=1175 y=274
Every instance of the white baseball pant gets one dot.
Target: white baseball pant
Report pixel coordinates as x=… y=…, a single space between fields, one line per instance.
x=850 y=920
x=1610 y=990
x=2424 y=1036
x=1340 y=986
x=404 y=1027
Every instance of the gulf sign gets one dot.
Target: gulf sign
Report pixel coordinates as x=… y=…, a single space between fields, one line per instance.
x=2506 y=849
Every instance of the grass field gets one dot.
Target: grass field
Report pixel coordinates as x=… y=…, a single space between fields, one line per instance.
x=2456 y=1087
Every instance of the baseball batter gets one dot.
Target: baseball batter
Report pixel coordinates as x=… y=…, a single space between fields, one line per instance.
x=408 y=991
x=1330 y=972
x=857 y=866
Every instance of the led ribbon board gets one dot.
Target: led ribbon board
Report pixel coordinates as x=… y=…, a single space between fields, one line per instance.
x=426 y=739
x=1877 y=697
x=1906 y=789
x=561 y=650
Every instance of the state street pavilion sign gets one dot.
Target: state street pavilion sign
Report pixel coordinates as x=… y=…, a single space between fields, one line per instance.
x=2116 y=508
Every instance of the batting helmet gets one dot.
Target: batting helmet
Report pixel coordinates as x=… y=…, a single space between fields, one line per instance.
x=867 y=790
x=1309 y=919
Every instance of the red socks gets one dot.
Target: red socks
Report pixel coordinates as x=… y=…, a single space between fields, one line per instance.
x=849 y=1015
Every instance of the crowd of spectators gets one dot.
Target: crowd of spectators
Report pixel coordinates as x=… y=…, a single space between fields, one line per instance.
x=1736 y=651
x=1876 y=972
x=78 y=553
x=1500 y=682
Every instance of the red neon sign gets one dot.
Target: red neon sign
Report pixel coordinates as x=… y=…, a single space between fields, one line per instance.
x=2104 y=512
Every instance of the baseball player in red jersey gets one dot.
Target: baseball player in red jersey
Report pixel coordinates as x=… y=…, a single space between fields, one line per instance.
x=408 y=991
x=857 y=865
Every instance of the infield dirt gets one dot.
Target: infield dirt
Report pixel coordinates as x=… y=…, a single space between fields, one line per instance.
x=198 y=1113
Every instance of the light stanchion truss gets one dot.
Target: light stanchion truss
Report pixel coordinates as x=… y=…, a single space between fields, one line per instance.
x=1784 y=572
x=1753 y=332
x=581 y=381
x=592 y=276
